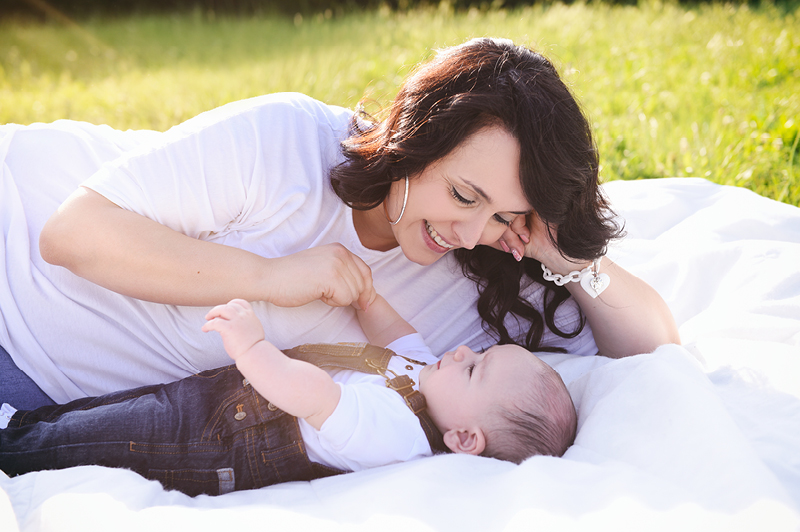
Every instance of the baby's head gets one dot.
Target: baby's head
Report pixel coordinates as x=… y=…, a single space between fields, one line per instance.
x=504 y=403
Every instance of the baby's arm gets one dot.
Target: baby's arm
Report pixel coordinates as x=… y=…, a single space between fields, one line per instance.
x=294 y=386
x=382 y=324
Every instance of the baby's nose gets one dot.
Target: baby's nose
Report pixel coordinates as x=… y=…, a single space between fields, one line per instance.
x=462 y=353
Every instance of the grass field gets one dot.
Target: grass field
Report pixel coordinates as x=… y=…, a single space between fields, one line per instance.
x=710 y=90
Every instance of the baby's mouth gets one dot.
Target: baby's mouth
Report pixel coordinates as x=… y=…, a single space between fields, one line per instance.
x=435 y=236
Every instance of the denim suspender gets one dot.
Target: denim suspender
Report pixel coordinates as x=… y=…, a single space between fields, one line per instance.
x=368 y=358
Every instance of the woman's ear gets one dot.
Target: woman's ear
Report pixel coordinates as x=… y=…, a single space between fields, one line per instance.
x=465 y=441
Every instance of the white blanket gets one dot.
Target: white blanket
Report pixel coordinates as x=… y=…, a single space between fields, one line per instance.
x=700 y=437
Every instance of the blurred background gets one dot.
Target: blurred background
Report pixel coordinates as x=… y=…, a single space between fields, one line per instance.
x=699 y=89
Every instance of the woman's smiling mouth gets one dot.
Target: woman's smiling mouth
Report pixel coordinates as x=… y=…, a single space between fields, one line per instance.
x=436 y=238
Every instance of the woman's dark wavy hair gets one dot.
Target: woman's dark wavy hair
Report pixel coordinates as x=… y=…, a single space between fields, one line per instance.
x=461 y=90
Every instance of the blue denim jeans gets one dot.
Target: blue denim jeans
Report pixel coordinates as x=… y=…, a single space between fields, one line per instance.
x=16 y=388
x=209 y=433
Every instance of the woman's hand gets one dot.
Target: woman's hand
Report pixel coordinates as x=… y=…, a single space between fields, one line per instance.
x=237 y=324
x=329 y=273
x=628 y=318
x=528 y=236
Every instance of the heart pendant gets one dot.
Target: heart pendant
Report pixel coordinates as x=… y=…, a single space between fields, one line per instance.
x=595 y=284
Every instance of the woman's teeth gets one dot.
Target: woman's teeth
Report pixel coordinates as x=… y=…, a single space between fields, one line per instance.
x=435 y=236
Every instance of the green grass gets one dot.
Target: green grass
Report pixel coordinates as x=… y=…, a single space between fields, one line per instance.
x=711 y=90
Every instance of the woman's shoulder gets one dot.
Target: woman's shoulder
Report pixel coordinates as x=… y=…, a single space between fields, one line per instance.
x=272 y=110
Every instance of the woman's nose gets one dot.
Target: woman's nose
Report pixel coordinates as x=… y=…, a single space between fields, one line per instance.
x=473 y=232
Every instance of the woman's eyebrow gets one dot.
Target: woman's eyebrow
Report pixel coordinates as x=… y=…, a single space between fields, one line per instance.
x=482 y=193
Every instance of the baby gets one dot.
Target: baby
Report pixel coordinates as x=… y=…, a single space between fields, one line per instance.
x=289 y=419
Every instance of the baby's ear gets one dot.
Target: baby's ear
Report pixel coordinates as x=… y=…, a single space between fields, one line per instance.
x=465 y=441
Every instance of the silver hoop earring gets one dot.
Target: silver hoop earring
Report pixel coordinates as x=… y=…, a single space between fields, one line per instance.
x=403 y=210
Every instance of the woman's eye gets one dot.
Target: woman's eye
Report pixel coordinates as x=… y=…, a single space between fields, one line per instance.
x=470 y=368
x=459 y=197
x=501 y=220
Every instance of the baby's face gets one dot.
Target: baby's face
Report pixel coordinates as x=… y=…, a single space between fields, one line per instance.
x=465 y=388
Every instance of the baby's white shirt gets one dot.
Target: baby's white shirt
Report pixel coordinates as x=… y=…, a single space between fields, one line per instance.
x=372 y=425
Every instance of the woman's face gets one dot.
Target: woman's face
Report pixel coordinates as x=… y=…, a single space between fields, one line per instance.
x=465 y=199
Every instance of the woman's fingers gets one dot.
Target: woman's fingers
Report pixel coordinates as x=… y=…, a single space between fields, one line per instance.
x=351 y=284
x=366 y=298
x=366 y=292
x=528 y=236
x=329 y=273
x=516 y=238
x=520 y=227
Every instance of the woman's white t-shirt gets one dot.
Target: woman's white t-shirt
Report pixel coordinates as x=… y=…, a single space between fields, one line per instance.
x=253 y=174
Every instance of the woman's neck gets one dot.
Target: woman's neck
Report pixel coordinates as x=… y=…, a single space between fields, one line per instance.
x=373 y=229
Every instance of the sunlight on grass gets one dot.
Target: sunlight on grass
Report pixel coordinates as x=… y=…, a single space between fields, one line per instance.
x=710 y=91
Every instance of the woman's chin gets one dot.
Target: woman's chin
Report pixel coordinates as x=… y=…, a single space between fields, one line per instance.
x=423 y=257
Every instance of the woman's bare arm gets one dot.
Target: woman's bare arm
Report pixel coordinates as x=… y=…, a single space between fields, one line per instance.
x=135 y=256
x=628 y=318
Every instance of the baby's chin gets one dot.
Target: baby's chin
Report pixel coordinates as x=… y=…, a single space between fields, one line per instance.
x=423 y=378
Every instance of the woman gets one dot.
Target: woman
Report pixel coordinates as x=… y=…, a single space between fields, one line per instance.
x=483 y=169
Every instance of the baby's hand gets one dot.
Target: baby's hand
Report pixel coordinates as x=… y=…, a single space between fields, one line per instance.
x=237 y=324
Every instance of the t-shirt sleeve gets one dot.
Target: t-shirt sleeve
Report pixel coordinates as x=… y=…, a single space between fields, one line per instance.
x=412 y=345
x=228 y=169
x=371 y=427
